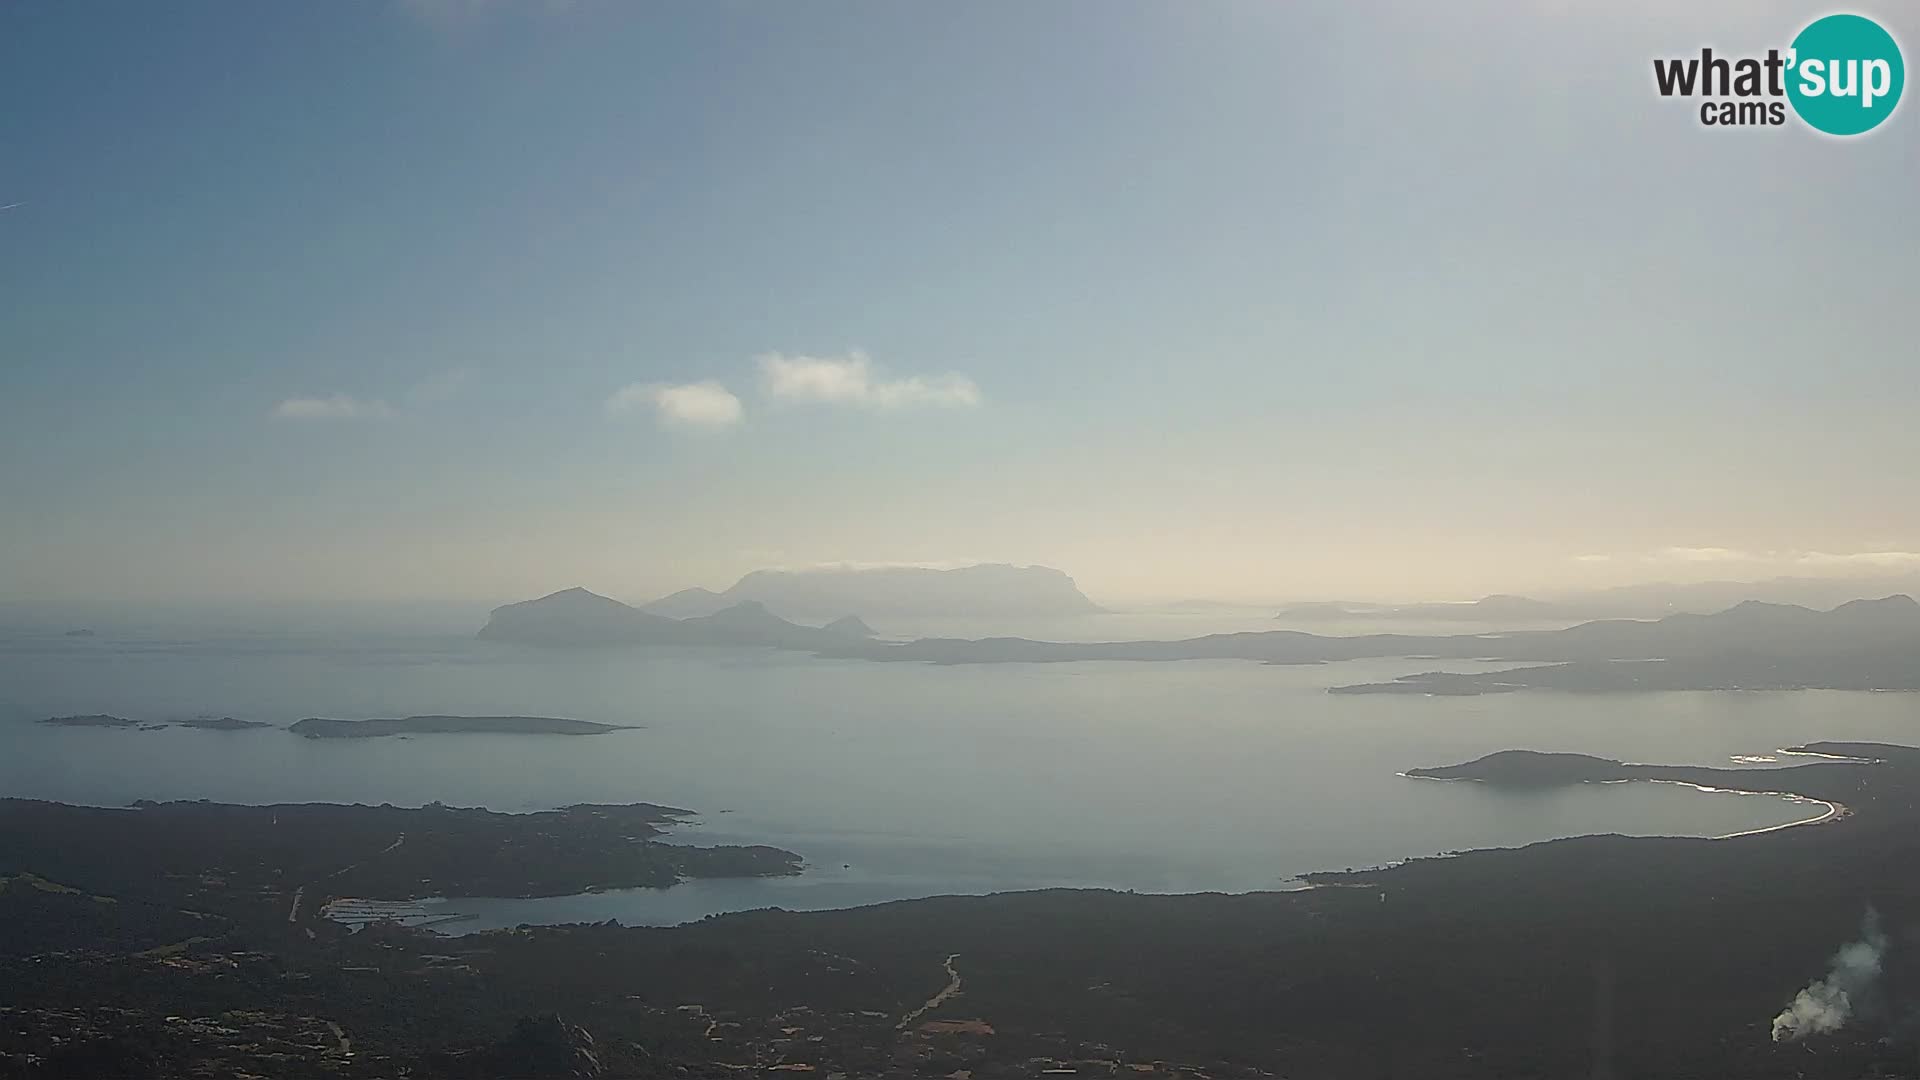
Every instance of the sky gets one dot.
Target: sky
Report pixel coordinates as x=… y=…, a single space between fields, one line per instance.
x=470 y=300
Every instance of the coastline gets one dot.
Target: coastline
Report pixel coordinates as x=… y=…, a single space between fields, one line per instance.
x=1532 y=929
x=1834 y=810
x=1305 y=881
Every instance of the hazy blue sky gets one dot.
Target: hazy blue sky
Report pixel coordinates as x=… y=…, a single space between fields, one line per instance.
x=478 y=299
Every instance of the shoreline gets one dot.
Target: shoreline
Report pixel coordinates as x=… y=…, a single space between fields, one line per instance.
x=1533 y=935
x=1303 y=881
x=1835 y=810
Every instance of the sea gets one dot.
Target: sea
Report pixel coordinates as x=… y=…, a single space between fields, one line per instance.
x=895 y=781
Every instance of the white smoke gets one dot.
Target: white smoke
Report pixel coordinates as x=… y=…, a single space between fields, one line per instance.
x=1826 y=1004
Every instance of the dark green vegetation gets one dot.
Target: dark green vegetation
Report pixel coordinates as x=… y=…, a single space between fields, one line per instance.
x=149 y=872
x=1602 y=956
x=315 y=727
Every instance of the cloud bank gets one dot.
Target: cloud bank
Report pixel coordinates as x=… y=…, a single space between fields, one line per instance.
x=1781 y=560
x=699 y=405
x=852 y=380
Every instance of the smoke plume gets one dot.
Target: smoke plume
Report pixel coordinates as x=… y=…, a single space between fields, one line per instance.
x=1826 y=1004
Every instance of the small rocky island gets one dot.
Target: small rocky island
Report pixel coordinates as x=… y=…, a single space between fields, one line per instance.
x=93 y=720
x=223 y=723
x=315 y=727
x=1527 y=768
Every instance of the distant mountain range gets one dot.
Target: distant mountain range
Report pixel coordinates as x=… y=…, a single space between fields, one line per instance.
x=576 y=617
x=1859 y=627
x=988 y=590
x=1861 y=644
x=1646 y=601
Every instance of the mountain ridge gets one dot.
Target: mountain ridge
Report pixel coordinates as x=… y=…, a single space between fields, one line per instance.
x=1861 y=644
x=576 y=617
x=982 y=590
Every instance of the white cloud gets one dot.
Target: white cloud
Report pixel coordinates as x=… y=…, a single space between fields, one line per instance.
x=332 y=407
x=851 y=380
x=1785 y=560
x=702 y=404
x=1891 y=559
x=1704 y=554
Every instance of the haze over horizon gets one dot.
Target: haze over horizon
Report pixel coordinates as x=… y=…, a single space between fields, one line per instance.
x=469 y=302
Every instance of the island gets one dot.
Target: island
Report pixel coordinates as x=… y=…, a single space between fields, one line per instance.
x=99 y=720
x=223 y=723
x=1527 y=768
x=315 y=727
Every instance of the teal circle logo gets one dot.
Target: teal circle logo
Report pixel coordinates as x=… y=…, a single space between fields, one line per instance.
x=1845 y=74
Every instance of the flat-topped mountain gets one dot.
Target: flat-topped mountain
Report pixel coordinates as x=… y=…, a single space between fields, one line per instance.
x=984 y=591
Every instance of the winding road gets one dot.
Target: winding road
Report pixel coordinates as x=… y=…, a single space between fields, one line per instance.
x=934 y=1002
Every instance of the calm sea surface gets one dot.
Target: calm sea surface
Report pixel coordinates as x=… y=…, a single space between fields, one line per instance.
x=895 y=780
